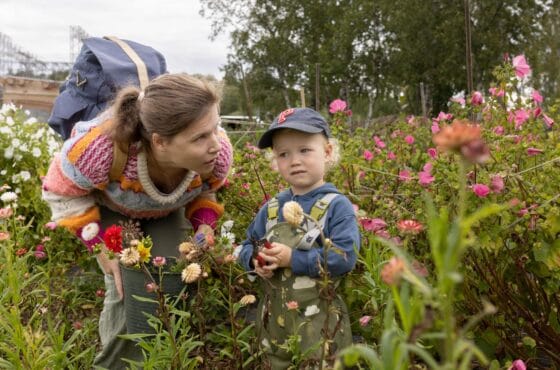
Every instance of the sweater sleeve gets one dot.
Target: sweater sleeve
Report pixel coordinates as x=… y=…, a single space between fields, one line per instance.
x=205 y=209
x=342 y=229
x=82 y=166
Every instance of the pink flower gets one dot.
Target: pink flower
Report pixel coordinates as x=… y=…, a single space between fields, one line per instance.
x=537 y=112
x=432 y=152
x=246 y=186
x=409 y=139
x=496 y=92
x=368 y=156
x=361 y=175
x=405 y=175
x=51 y=225
x=497 y=184
x=410 y=120
x=548 y=121
x=337 y=105
x=435 y=128
x=425 y=178
x=151 y=287
x=499 y=130
x=4 y=236
x=534 y=151
x=373 y=224
x=292 y=305
x=537 y=97
x=382 y=234
x=159 y=261
x=518 y=365
x=480 y=190
x=6 y=212
x=364 y=320
x=428 y=167
x=521 y=115
x=379 y=142
x=410 y=226
x=40 y=252
x=477 y=98
x=460 y=101
x=521 y=67
x=442 y=116
x=391 y=156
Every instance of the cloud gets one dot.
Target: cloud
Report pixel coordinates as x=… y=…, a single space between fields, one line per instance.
x=172 y=27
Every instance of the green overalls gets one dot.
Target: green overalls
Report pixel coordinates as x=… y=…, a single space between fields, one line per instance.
x=276 y=322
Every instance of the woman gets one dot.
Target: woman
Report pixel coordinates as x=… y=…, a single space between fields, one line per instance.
x=176 y=157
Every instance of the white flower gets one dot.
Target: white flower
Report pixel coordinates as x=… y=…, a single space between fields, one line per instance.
x=23 y=148
x=293 y=213
x=191 y=273
x=9 y=153
x=226 y=227
x=311 y=310
x=130 y=256
x=25 y=175
x=5 y=130
x=27 y=112
x=9 y=197
x=18 y=157
x=36 y=152
x=3 y=172
x=90 y=231
x=247 y=299
x=10 y=121
x=16 y=142
x=30 y=120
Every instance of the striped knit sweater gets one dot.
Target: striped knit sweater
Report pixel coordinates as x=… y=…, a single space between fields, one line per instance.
x=78 y=181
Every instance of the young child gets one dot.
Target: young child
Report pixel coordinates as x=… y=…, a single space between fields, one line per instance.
x=293 y=302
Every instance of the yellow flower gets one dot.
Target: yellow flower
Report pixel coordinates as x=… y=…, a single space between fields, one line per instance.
x=191 y=273
x=247 y=299
x=293 y=213
x=144 y=252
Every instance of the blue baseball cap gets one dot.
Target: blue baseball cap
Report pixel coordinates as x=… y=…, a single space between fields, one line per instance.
x=300 y=119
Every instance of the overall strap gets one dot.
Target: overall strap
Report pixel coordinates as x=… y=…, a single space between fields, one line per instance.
x=119 y=163
x=319 y=213
x=272 y=218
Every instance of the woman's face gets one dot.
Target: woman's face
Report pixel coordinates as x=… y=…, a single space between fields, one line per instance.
x=195 y=148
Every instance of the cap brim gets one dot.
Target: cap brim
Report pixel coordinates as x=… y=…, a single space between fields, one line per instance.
x=266 y=140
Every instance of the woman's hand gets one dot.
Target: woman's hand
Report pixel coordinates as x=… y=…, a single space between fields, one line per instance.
x=111 y=267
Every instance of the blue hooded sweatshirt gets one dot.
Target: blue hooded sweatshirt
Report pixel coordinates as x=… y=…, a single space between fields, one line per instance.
x=340 y=227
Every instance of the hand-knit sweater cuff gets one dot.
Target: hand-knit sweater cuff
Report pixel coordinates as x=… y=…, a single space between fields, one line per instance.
x=86 y=227
x=204 y=211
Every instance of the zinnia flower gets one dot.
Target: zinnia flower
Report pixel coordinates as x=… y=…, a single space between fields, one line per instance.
x=191 y=273
x=6 y=213
x=392 y=271
x=364 y=320
x=292 y=305
x=432 y=152
x=368 y=156
x=409 y=139
x=518 y=365
x=521 y=67
x=497 y=184
x=293 y=213
x=480 y=190
x=534 y=151
x=410 y=226
x=337 y=105
x=247 y=299
x=130 y=256
x=159 y=261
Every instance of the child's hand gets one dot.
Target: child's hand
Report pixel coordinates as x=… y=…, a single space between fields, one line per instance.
x=262 y=271
x=280 y=255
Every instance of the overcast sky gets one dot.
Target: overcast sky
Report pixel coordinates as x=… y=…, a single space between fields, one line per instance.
x=172 y=27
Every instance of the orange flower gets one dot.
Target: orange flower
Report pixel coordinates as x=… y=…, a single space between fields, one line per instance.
x=410 y=226
x=457 y=134
x=392 y=271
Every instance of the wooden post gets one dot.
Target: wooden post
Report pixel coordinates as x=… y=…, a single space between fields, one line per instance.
x=468 y=47
x=302 y=96
x=423 y=100
x=317 y=71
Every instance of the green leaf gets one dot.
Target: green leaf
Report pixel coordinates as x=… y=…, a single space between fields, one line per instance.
x=529 y=342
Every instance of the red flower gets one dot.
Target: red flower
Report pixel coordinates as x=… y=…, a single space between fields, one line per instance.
x=113 y=238
x=410 y=226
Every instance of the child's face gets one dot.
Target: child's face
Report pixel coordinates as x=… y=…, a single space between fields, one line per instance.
x=301 y=158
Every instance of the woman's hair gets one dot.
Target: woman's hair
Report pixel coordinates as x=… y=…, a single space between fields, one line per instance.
x=167 y=106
